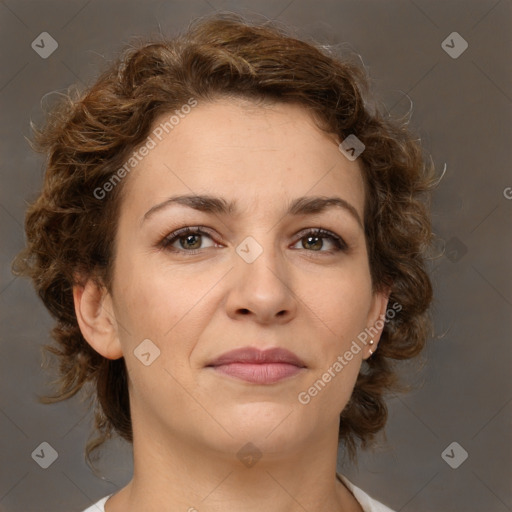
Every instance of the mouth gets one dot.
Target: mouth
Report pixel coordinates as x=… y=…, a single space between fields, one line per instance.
x=259 y=367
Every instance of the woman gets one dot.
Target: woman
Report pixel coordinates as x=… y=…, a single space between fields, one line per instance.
x=231 y=240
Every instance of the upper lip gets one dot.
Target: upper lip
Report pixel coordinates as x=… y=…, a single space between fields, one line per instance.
x=256 y=356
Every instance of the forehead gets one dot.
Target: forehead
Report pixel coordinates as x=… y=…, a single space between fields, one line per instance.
x=244 y=152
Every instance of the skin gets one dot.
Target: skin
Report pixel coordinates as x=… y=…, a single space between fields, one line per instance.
x=194 y=307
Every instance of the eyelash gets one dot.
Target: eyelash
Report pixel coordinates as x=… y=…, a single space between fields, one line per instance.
x=167 y=241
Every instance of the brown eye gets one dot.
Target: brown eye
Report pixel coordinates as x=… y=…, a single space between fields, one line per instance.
x=313 y=240
x=189 y=240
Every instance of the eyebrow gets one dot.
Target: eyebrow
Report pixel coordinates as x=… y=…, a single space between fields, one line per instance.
x=307 y=205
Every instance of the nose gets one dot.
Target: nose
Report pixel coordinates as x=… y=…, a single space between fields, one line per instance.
x=262 y=286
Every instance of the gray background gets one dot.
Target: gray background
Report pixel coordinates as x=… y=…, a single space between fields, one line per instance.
x=461 y=109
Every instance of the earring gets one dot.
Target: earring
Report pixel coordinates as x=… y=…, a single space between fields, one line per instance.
x=371 y=351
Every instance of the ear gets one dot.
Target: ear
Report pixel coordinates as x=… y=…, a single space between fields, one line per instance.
x=96 y=319
x=376 y=320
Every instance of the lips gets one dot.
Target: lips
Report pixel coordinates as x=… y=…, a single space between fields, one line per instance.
x=255 y=356
x=260 y=367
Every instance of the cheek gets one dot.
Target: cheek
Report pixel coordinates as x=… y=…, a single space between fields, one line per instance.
x=150 y=298
x=157 y=317
x=157 y=301
x=341 y=304
x=340 y=315
x=162 y=304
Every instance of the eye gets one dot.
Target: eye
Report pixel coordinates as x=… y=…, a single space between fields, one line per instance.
x=314 y=240
x=189 y=240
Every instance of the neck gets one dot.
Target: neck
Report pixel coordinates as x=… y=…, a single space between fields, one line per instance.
x=171 y=473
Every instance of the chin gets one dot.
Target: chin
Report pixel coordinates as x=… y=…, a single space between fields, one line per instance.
x=271 y=426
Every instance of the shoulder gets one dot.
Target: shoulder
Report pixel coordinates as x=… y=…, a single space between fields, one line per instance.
x=368 y=504
x=99 y=506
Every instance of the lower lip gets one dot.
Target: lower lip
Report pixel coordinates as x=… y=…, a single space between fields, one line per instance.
x=263 y=373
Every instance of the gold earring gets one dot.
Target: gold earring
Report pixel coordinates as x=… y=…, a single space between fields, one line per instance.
x=371 y=351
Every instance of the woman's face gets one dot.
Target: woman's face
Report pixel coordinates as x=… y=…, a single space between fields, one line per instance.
x=254 y=277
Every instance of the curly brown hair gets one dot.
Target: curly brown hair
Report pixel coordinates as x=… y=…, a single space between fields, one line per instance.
x=89 y=135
